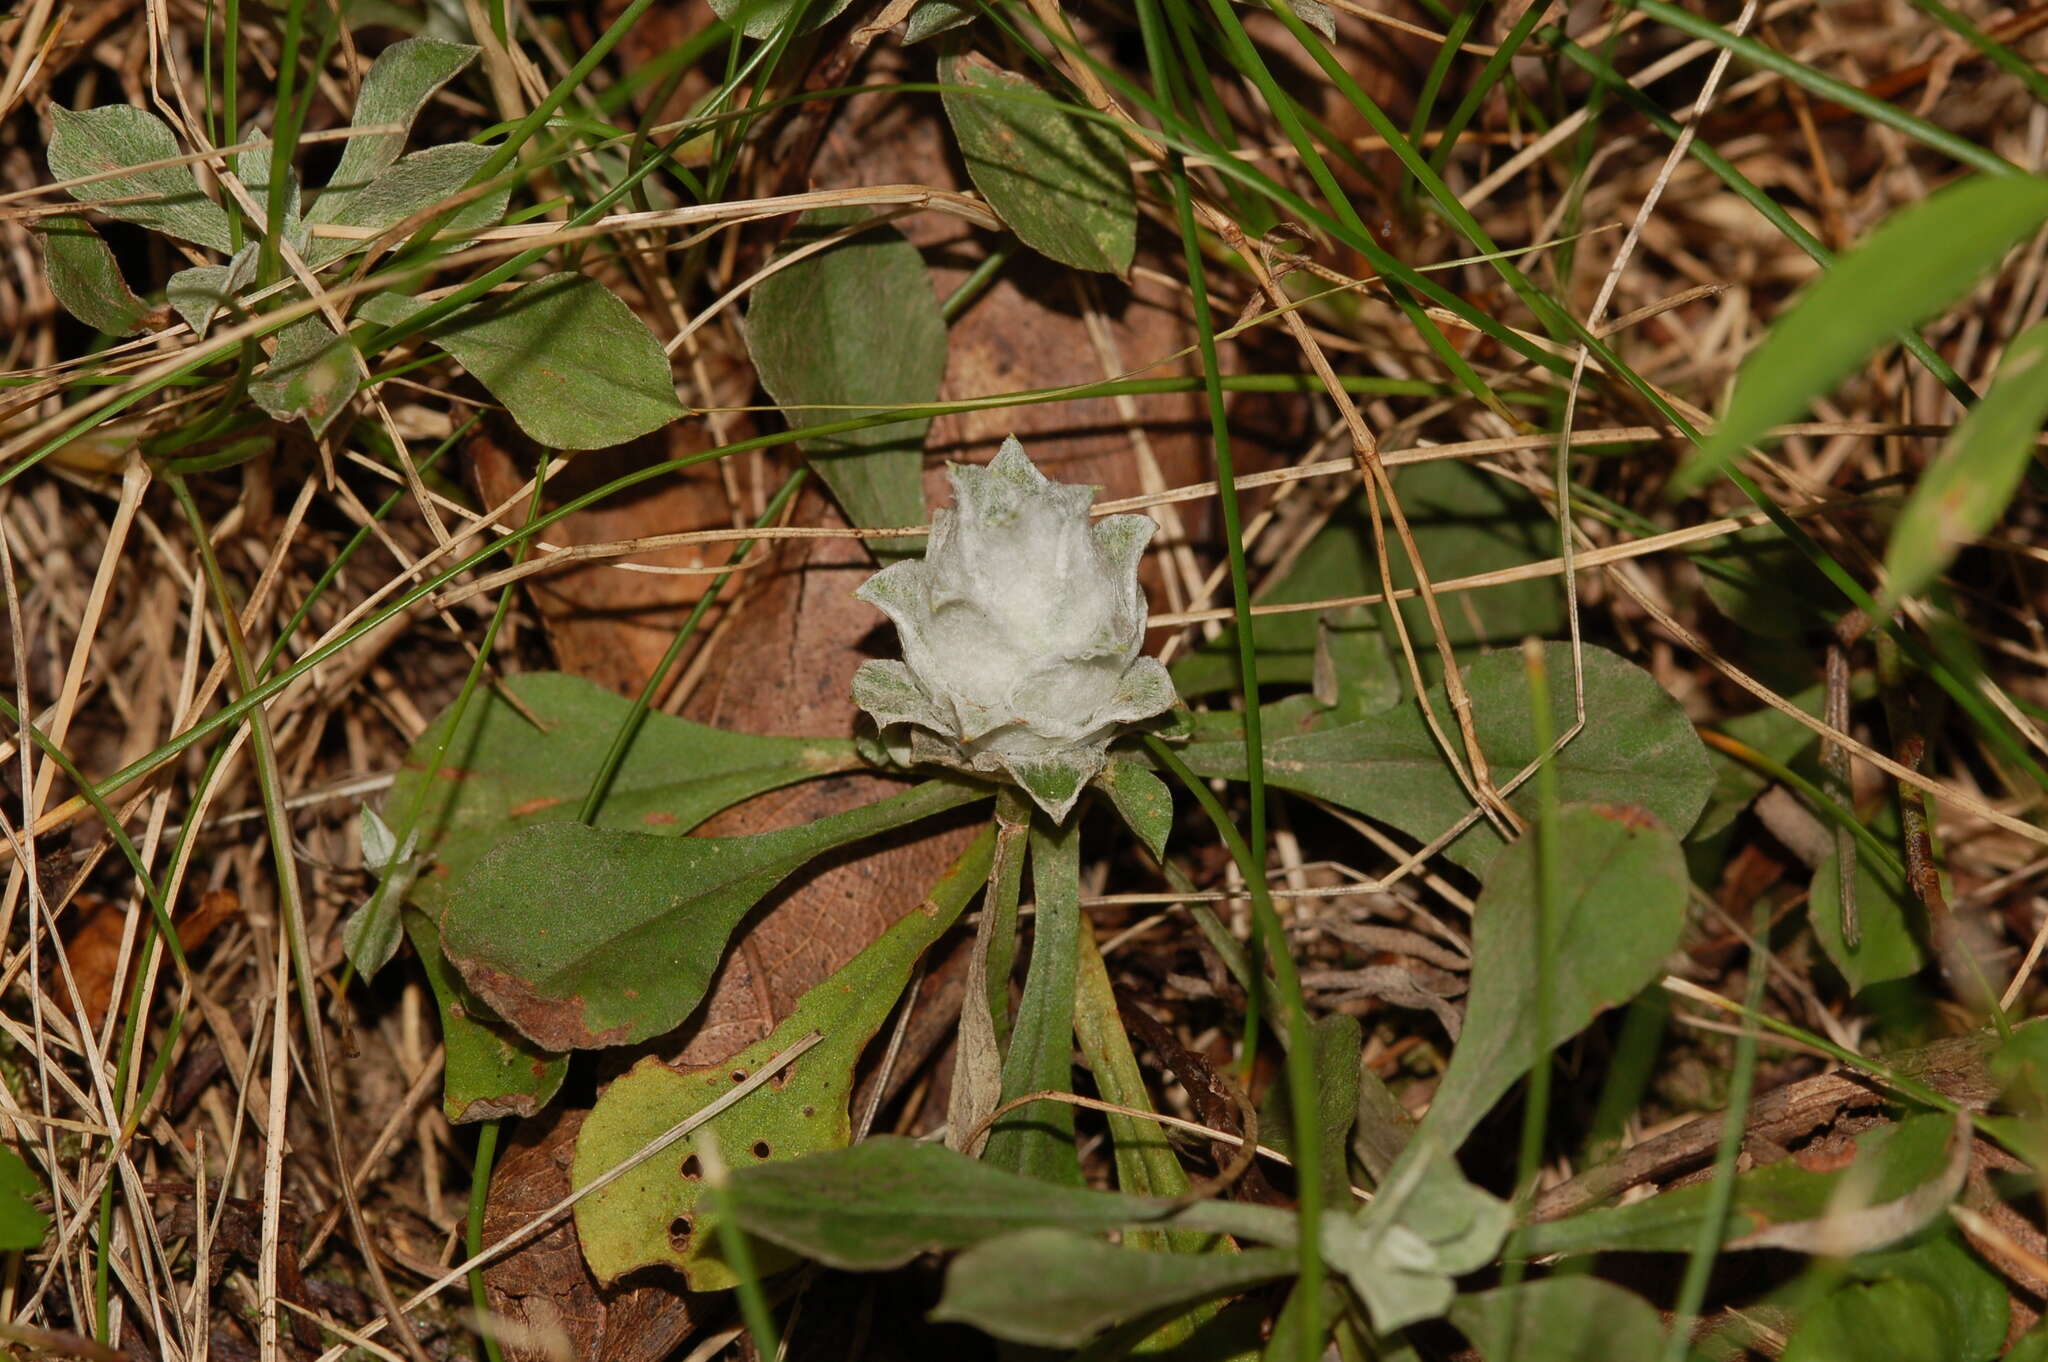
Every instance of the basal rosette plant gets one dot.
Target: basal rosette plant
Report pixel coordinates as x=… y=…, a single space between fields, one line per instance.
x=1021 y=629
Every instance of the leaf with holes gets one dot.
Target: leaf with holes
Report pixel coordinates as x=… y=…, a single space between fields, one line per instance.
x=585 y=937
x=84 y=278
x=839 y=333
x=1053 y=1288
x=572 y=364
x=651 y=1215
x=1637 y=747
x=1061 y=182
x=115 y=136
x=1917 y=262
x=1964 y=491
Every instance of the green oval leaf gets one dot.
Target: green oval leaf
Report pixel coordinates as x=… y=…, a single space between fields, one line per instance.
x=1964 y=491
x=489 y=1070
x=1637 y=747
x=22 y=1226
x=572 y=364
x=842 y=332
x=166 y=199
x=1560 y=1319
x=1062 y=183
x=584 y=937
x=766 y=18
x=85 y=280
x=1918 y=261
x=1617 y=915
x=1052 y=1288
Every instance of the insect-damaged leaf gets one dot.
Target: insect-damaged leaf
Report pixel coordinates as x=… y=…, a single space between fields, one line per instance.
x=313 y=374
x=572 y=364
x=837 y=335
x=1060 y=181
x=584 y=937
x=638 y=1220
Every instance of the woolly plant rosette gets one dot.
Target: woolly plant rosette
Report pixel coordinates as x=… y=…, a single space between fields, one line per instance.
x=1020 y=627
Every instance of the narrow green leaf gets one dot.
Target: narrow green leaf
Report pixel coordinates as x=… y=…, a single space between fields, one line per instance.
x=1559 y=1319
x=1891 y=1164
x=312 y=375
x=412 y=185
x=1618 y=914
x=399 y=84
x=22 y=1226
x=1637 y=747
x=887 y=1200
x=1919 y=261
x=1062 y=183
x=1964 y=491
x=572 y=364
x=651 y=1216
x=841 y=333
x=584 y=937
x=1338 y=1043
x=489 y=1070
x=115 y=136
x=86 y=281
x=1038 y=1140
x=1053 y=1288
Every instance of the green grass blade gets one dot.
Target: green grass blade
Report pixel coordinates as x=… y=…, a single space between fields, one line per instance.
x=1918 y=262
x=1966 y=489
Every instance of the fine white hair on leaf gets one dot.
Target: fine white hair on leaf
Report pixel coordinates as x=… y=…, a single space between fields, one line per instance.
x=1021 y=628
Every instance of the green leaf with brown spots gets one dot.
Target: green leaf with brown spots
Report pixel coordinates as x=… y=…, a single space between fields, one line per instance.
x=652 y=1215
